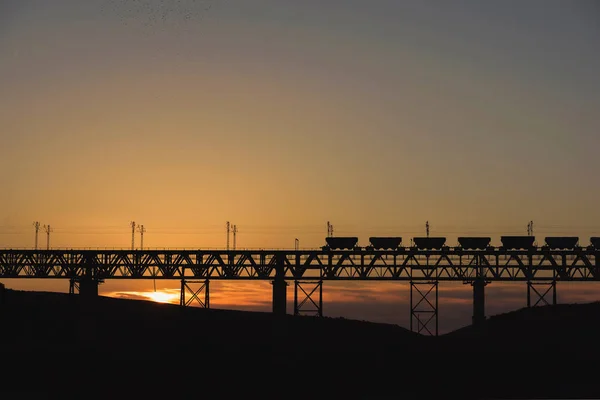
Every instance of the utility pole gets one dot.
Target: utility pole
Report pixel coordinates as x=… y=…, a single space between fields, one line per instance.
x=530 y=228
x=48 y=230
x=141 y=230
x=132 y=223
x=36 y=225
x=296 y=244
x=427 y=228
x=234 y=235
x=227 y=235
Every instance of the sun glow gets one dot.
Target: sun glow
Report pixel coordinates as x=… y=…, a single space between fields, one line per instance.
x=162 y=297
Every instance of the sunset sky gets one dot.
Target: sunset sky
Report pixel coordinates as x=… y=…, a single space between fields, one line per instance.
x=282 y=115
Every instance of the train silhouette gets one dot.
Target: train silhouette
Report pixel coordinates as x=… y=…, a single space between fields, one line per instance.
x=467 y=243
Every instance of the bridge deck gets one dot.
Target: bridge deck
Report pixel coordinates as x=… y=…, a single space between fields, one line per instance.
x=402 y=264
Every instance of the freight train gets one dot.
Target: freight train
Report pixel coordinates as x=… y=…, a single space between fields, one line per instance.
x=467 y=243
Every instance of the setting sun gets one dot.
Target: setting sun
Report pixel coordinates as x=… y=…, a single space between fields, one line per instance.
x=161 y=297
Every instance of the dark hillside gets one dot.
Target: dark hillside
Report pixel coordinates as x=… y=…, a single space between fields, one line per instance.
x=565 y=326
x=538 y=352
x=61 y=344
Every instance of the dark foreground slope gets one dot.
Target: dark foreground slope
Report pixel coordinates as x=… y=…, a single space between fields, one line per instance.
x=539 y=352
x=63 y=344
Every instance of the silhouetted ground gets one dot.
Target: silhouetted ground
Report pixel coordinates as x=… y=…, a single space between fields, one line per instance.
x=61 y=344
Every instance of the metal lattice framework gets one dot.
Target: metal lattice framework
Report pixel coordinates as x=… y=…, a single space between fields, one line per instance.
x=187 y=286
x=539 y=267
x=406 y=264
x=307 y=303
x=424 y=311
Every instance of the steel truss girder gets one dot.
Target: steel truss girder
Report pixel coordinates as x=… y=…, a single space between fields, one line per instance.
x=196 y=294
x=307 y=304
x=407 y=264
x=424 y=312
x=541 y=296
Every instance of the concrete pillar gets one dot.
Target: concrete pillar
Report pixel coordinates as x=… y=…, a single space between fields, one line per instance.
x=279 y=286
x=478 y=301
x=2 y=294
x=279 y=296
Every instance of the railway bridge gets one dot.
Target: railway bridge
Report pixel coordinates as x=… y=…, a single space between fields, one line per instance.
x=425 y=264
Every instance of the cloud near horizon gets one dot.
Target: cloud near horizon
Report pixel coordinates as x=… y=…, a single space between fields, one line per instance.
x=380 y=302
x=383 y=302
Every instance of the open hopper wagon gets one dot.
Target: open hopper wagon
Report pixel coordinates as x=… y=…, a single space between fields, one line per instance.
x=385 y=243
x=341 y=243
x=474 y=243
x=517 y=242
x=563 y=242
x=429 y=242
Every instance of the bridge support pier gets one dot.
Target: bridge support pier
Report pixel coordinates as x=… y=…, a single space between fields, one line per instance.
x=478 y=301
x=2 y=294
x=424 y=312
x=87 y=287
x=279 y=286
x=547 y=289
x=279 y=296
x=196 y=294
x=308 y=304
x=73 y=286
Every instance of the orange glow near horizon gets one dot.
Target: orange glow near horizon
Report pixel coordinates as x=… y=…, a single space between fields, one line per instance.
x=257 y=295
x=382 y=302
x=160 y=296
